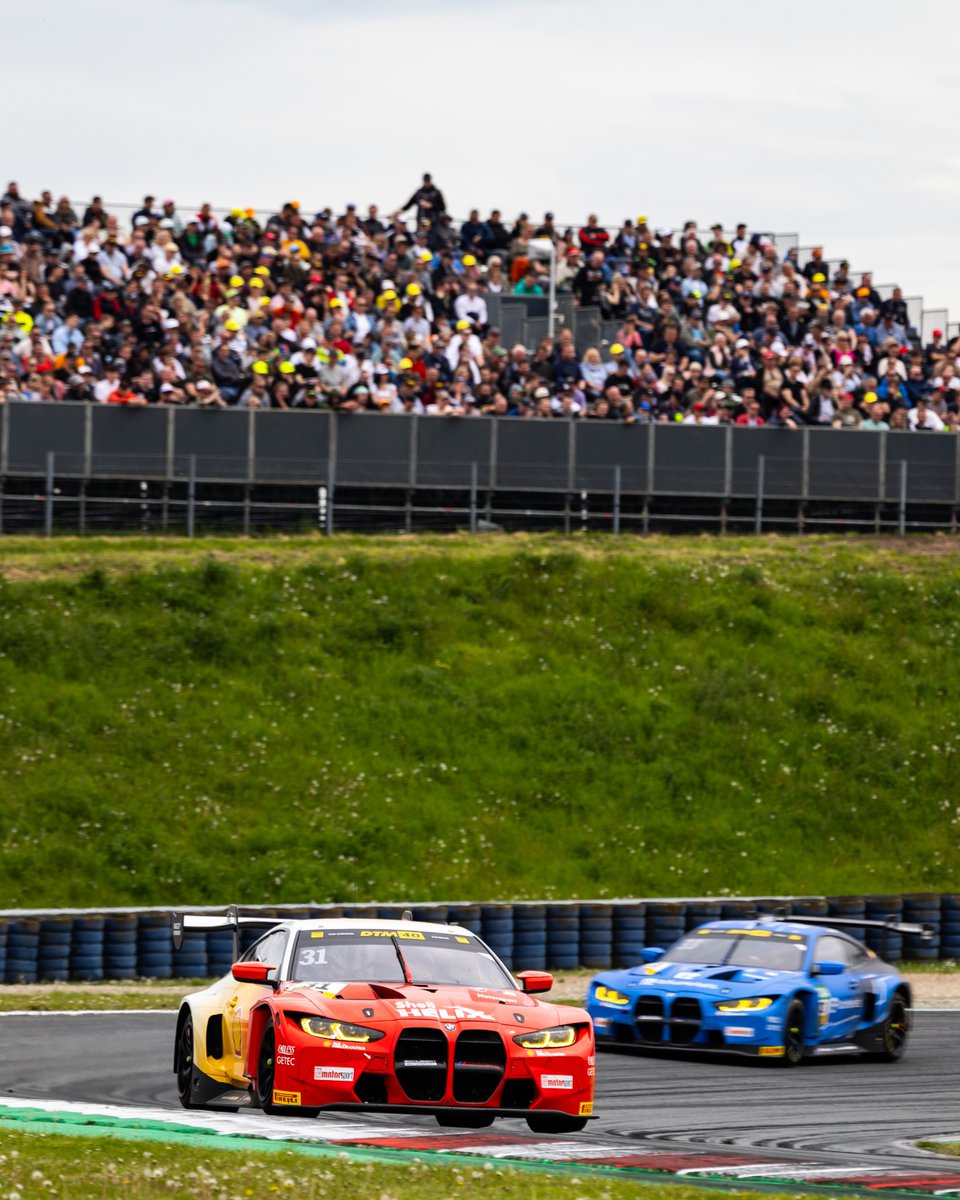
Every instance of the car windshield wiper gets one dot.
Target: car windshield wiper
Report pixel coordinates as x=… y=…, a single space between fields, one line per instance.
x=407 y=978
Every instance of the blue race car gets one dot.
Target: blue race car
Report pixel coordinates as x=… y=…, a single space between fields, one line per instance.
x=777 y=989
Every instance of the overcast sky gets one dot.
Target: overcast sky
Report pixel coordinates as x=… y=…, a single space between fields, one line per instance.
x=833 y=120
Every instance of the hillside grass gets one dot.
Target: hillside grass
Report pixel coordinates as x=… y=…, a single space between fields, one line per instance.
x=494 y=718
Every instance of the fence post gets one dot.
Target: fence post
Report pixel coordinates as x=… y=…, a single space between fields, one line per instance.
x=903 y=497
x=48 y=501
x=191 y=495
x=473 y=497
x=761 y=467
x=616 y=499
x=331 y=473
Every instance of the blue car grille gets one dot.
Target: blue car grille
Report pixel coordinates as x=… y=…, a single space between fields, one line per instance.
x=660 y=1020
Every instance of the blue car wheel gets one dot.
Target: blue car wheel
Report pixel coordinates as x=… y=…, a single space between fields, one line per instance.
x=793 y=1035
x=896 y=1030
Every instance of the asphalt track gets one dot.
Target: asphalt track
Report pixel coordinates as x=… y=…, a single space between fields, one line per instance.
x=833 y=1120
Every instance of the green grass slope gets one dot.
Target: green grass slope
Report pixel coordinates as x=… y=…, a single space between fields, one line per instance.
x=475 y=719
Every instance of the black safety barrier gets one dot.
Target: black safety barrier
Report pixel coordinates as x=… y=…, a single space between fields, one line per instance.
x=391 y=451
x=558 y=935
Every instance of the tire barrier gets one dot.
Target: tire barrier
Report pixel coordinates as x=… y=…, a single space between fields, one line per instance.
x=629 y=932
x=950 y=925
x=154 y=946
x=86 y=949
x=666 y=922
x=699 y=911
x=120 y=947
x=925 y=907
x=53 y=949
x=530 y=937
x=850 y=908
x=809 y=906
x=465 y=915
x=497 y=930
x=563 y=937
x=527 y=935
x=885 y=942
x=596 y=935
x=23 y=940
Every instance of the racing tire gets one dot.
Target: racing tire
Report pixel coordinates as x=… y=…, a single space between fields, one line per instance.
x=263 y=1088
x=793 y=1036
x=466 y=1120
x=552 y=1124
x=185 y=1065
x=895 y=1031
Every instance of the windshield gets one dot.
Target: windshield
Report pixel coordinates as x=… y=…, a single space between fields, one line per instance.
x=371 y=956
x=741 y=948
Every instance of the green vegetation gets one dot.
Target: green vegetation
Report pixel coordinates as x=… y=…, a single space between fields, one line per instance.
x=476 y=719
x=33 y=1165
x=951 y=1148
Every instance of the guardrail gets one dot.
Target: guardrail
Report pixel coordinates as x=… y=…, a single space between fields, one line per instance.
x=117 y=944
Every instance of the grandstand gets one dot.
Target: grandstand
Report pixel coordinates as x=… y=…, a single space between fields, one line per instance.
x=412 y=312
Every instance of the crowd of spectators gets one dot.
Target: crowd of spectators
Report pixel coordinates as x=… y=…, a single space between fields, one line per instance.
x=370 y=313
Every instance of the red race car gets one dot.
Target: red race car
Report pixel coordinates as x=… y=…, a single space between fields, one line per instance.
x=387 y=1016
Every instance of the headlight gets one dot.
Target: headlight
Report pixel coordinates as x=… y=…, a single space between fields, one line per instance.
x=547 y=1039
x=339 y=1031
x=748 y=1004
x=610 y=996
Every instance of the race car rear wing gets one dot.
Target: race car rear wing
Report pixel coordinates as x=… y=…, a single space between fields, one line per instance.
x=230 y=919
x=922 y=930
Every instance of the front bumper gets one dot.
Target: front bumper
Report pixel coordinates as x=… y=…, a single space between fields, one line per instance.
x=683 y=1022
x=429 y=1070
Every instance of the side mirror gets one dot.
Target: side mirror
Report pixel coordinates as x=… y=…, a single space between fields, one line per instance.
x=651 y=953
x=535 y=981
x=828 y=967
x=252 y=972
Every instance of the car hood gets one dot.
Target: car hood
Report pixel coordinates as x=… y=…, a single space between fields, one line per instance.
x=696 y=977
x=442 y=1004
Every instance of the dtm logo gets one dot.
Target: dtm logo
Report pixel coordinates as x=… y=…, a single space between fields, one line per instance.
x=428 y=1010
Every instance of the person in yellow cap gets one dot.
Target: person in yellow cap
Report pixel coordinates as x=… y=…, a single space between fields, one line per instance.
x=469 y=260
x=388 y=301
x=260 y=367
x=233 y=309
x=875 y=411
x=236 y=281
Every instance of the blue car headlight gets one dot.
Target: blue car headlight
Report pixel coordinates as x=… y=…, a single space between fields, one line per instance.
x=745 y=1005
x=608 y=995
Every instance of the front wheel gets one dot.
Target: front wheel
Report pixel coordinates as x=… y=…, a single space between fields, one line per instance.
x=465 y=1120
x=185 y=1064
x=553 y=1124
x=266 y=1074
x=895 y=1030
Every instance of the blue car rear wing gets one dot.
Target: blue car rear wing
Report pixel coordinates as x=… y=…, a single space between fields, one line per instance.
x=922 y=930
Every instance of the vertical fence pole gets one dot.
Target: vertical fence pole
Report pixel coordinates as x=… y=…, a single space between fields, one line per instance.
x=331 y=472
x=616 y=499
x=48 y=501
x=192 y=495
x=903 y=497
x=761 y=468
x=473 y=497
